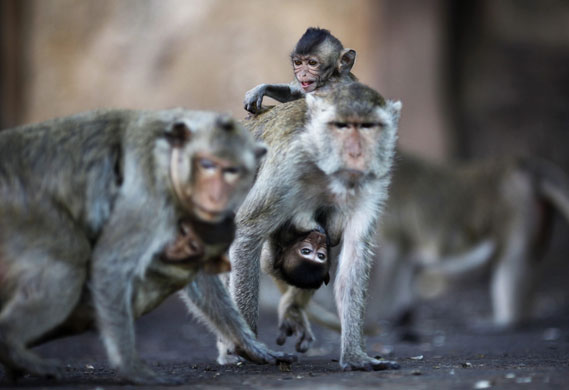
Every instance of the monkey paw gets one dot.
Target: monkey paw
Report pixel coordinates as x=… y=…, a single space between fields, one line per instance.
x=254 y=99
x=295 y=323
x=366 y=363
x=258 y=353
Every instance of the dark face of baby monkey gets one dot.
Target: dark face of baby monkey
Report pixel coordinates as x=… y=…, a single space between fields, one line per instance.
x=303 y=259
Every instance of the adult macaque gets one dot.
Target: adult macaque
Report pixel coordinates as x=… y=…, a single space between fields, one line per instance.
x=443 y=221
x=89 y=208
x=330 y=155
x=319 y=59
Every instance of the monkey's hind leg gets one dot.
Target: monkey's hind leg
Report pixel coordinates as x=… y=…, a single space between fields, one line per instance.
x=41 y=287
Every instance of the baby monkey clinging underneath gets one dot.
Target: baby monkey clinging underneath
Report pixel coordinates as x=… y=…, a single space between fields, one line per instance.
x=319 y=59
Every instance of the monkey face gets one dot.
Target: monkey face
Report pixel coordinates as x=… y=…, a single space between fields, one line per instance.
x=305 y=263
x=312 y=248
x=307 y=72
x=215 y=181
x=357 y=135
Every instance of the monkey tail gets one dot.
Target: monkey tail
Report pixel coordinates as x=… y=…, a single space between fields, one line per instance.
x=330 y=320
x=552 y=183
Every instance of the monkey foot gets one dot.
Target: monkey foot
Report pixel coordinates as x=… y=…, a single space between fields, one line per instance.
x=369 y=364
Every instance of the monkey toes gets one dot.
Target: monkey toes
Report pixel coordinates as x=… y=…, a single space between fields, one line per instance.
x=370 y=364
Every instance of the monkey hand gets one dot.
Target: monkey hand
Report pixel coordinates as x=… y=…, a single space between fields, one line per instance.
x=362 y=362
x=258 y=352
x=294 y=322
x=139 y=373
x=254 y=98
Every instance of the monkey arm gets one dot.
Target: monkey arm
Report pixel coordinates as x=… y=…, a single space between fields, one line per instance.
x=208 y=299
x=280 y=92
x=118 y=256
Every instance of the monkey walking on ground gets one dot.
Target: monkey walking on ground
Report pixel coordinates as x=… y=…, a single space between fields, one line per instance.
x=330 y=156
x=93 y=202
x=319 y=60
x=493 y=214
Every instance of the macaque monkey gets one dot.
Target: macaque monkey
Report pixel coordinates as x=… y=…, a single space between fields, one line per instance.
x=91 y=207
x=330 y=155
x=298 y=258
x=319 y=59
x=444 y=221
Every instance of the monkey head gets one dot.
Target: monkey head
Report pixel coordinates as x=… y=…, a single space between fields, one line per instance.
x=319 y=55
x=359 y=126
x=304 y=263
x=202 y=245
x=212 y=167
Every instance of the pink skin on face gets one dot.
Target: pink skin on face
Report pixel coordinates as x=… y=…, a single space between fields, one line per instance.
x=306 y=71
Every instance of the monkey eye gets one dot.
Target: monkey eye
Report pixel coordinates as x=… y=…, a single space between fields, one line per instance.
x=321 y=256
x=340 y=125
x=207 y=164
x=369 y=125
x=231 y=174
x=297 y=62
x=312 y=62
x=305 y=251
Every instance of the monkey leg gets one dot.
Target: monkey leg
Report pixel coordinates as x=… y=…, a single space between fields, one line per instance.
x=47 y=264
x=512 y=283
x=293 y=319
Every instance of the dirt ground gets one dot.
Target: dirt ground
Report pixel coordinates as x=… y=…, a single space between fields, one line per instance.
x=444 y=352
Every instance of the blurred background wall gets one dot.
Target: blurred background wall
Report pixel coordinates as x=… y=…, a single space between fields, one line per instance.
x=477 y=78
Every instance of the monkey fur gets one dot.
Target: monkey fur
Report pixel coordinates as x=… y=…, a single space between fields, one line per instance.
x=319 y=61
x=87 y=205
x=330 y=154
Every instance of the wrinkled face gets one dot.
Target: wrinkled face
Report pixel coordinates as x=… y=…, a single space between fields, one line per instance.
x=354 y=135
x=212 y=170
x=307 y=70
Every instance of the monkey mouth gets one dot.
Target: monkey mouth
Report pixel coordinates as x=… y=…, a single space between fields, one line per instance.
x=209 y=215
x=308 y=86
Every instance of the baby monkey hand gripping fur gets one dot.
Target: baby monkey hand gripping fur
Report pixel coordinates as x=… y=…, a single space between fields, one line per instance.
x=319 y=60
x=93 y=202
x=329 y=163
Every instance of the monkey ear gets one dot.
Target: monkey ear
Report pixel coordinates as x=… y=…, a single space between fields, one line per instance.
x=395 y=108
x=178 y=134
x=346 y=61
x=327 y=278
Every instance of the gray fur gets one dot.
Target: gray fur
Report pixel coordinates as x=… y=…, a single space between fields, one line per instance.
x=304 y=174
x=86 y=204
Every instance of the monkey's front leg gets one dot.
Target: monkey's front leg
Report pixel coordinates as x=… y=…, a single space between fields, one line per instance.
x=350 y=289
x=116 y=260
x=207 y=298
x=292 y=317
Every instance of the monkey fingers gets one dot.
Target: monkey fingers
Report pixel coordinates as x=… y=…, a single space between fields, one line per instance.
x=260 y=354
x=295 y=324
x=370 y=364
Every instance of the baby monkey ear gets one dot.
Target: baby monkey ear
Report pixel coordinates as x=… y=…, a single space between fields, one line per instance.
x=346 y=60
x=178 y=134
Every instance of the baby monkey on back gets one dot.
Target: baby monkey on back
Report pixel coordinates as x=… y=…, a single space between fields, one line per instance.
x=318 y=60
